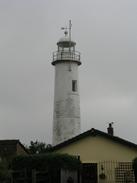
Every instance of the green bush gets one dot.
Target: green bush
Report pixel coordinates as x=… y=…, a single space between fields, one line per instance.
x=46 y=161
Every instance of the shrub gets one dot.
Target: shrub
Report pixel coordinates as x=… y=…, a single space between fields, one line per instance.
x=46 y=161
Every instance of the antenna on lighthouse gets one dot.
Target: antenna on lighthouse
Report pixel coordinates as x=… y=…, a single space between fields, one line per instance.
x=70 y=25
x=67 y=29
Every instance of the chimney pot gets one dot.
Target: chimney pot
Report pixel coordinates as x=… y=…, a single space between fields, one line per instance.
x=110 y=129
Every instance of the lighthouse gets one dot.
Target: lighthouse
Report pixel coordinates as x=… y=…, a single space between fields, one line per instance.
x=66 y=115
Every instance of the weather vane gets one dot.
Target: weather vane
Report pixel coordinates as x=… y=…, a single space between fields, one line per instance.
x=67 y=29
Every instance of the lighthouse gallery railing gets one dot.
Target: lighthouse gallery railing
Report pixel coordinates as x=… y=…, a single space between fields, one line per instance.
x=66 y=55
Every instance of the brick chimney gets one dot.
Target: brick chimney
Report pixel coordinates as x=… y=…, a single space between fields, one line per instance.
x=110 y=129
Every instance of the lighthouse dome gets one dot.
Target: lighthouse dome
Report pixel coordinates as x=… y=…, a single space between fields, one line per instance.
x=65 y=42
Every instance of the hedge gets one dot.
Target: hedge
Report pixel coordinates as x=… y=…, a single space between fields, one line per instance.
x=46 y=161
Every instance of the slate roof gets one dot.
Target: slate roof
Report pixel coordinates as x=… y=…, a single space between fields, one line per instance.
x=94 y=132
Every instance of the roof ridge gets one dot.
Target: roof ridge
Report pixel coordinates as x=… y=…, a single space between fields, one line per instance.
x=94 y=132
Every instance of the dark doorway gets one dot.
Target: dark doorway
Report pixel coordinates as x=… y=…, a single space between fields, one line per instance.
x=89 y=173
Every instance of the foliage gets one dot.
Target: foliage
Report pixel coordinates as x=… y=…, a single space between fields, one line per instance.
x=37 y=147
x=134 y=164
x=46 y=162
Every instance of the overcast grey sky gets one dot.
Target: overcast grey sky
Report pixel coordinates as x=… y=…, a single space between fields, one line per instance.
x=106 y=35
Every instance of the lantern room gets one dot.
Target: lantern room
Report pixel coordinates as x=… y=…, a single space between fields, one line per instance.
x=66 y=51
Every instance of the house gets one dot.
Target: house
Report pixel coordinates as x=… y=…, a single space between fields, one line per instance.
x=105 y=157
x=11 y=148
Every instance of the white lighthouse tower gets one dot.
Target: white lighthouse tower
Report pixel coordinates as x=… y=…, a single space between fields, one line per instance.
x=66 y=119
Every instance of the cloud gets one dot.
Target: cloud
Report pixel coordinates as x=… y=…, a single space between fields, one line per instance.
x=105 y=32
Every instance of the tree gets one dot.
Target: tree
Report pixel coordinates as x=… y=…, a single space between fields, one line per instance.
x=37 y=147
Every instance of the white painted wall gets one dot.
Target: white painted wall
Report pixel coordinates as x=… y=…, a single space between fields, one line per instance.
x=66 y=119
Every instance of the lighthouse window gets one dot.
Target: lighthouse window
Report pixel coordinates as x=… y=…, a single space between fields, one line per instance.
x=74 y=85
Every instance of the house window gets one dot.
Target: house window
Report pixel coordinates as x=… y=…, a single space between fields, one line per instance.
x=74 y=85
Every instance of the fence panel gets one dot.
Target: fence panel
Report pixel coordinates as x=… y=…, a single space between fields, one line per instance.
x=115 y=172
